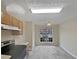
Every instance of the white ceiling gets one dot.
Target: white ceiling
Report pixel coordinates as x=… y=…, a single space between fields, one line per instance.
x=68 y=11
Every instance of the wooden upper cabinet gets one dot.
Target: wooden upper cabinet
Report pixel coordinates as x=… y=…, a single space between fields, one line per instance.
x=15 y=22
x=5 y=19
x=20 y=24
x=12 y=21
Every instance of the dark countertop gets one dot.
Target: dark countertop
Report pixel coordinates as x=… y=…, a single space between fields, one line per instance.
x=16 y=50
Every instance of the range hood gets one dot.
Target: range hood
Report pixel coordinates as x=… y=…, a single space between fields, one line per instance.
x=8 y=27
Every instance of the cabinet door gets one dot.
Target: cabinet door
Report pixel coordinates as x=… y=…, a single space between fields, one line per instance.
x=15 y=22
x=21 y=26
x=5 y=19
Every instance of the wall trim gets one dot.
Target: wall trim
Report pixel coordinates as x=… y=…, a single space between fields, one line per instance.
x=68 y=51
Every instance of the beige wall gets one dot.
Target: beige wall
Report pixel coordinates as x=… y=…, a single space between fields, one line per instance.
x=68 y=37
x=25 y=37
x=6 y=35
x=55 y=35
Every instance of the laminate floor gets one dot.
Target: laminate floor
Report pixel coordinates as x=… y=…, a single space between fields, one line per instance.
x=48 y=52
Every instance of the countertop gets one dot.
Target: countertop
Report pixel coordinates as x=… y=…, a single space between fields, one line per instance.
x=15 y=51
x=5 y=56
x=22 y=43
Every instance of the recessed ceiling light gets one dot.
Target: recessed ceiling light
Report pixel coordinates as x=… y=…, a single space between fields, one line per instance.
x=48 y=24
x=52 y=10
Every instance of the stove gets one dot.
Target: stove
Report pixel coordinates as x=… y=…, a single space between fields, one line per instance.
x=15 y=51
x=6 y=46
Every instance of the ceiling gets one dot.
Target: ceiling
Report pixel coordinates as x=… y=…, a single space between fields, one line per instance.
x=21 y=9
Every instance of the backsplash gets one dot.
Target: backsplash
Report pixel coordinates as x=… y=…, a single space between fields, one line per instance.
x=6 y=35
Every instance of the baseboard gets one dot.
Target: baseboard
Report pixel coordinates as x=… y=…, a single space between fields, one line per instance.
x=68 y=52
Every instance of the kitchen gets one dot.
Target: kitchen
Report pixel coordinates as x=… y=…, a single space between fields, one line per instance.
x=12 y=35
x=17 y=34
x=28 y=33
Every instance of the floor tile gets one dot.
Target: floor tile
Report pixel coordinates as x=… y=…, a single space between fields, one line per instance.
x=48 y=52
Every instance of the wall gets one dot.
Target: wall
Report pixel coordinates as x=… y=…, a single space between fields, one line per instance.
x=33 y=36
x=55 y=36
x=68 y=36
x=6 y=35
x=25 y=37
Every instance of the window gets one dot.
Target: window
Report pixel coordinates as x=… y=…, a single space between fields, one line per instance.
x=46 y=34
